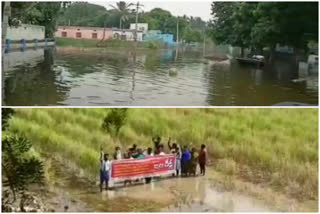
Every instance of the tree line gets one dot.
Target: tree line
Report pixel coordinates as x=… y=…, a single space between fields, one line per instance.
x=257 y=25
x=122 y=14
x=253 y=25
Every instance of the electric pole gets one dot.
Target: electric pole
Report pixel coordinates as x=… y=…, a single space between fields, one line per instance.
x=177 y=31
x=136 y=28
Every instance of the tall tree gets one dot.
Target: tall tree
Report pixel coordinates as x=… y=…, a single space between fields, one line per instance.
x=264 y=24
x=19 y=169
x=124 y=10
x=115 y=119
x=39 y=13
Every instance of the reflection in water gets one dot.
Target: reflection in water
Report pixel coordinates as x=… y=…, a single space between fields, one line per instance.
x=193 y=194
x=29 y=78
x=145 y=77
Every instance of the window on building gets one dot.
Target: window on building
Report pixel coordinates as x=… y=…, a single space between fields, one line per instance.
x=78 y=35
x=94 y=35
x=64 y=34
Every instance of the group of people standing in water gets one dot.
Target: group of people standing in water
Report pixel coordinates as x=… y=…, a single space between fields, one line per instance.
x=186 y=159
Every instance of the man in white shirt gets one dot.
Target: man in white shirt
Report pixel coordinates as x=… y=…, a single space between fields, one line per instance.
x=161 y=150
x=104 y=171
x=117 y=154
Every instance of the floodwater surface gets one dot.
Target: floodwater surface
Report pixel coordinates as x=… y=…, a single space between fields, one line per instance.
x=192 y=194
x=118 y=77
x=166 y=194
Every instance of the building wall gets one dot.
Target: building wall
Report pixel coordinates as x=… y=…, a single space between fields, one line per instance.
x=141 y=27
x=155 y=36
x=127 y=35
x=27 y=32
x=83 y=32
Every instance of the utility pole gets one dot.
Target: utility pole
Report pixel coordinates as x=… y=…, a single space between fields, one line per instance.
x=177 y=41
x=136 y=28
x=5 y=24
x=5 y=21
x=204 y=42
x=177 y=31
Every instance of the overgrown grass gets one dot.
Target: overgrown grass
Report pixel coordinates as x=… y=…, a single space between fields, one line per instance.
x=81 y=43
x=112 y=43
x=274 y=146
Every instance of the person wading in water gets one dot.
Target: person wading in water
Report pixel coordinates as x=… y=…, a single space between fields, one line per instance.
x=203 y=158
x=185 y=160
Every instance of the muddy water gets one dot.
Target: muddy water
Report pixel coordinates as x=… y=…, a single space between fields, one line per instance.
x=106 y=77
x=192 y=194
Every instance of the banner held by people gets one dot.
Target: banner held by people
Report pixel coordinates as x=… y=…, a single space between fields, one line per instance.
x=129 y=169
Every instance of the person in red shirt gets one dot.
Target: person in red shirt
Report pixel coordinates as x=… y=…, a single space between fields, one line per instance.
x=203 y=158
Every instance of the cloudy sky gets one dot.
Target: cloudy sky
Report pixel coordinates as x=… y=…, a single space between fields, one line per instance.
x=198 y=8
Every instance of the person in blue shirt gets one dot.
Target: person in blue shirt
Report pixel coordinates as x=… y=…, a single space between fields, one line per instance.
x=185 y=159
x=140 y=154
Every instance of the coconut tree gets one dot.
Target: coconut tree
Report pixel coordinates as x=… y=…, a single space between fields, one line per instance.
x=123 y=9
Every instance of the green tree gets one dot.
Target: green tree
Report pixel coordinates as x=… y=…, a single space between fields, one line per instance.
x=264 y=24
x=6 y=114
x=232 y=23
x=114 y=120
x=190 y=35
x=159 y=19
x=286 y=23
x=83 y=14
x=18 y=169
x=123 y=9
x=38 y=13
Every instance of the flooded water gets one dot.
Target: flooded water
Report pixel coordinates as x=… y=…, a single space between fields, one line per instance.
x=166 y=194
x=193 y=194
x=65 y=76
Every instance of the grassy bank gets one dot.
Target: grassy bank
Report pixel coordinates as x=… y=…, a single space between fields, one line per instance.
x=277 y=147
x=112 y=43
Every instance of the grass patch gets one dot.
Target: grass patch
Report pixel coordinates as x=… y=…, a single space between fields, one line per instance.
x=112 y=43
x=81 y=43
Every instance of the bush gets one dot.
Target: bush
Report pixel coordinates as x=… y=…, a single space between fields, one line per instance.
x=115 y=119
x=17 y=169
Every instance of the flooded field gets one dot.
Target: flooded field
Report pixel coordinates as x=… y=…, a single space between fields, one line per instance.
x=191 y=194
x=65 y=76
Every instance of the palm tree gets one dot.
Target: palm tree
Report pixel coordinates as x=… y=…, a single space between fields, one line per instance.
x=123 y=9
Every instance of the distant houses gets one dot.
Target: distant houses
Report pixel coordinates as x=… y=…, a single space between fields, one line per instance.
x=143 y=34
x=127 y=34
x=84 y=32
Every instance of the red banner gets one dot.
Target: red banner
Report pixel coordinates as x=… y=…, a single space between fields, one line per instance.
x=141 y=168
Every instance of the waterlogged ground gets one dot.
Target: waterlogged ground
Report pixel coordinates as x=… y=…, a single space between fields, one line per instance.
x=194 y=194
x=68 y=76
x=171 y=194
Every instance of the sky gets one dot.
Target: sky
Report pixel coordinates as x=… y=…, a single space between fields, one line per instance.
x=198 y=8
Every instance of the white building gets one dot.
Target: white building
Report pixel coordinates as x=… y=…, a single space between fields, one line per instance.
x=141 y=27
x=26 y=31
x=127 y=34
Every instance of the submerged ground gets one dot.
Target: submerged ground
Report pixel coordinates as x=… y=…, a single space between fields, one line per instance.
x=161 y=77
x=260 y=159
